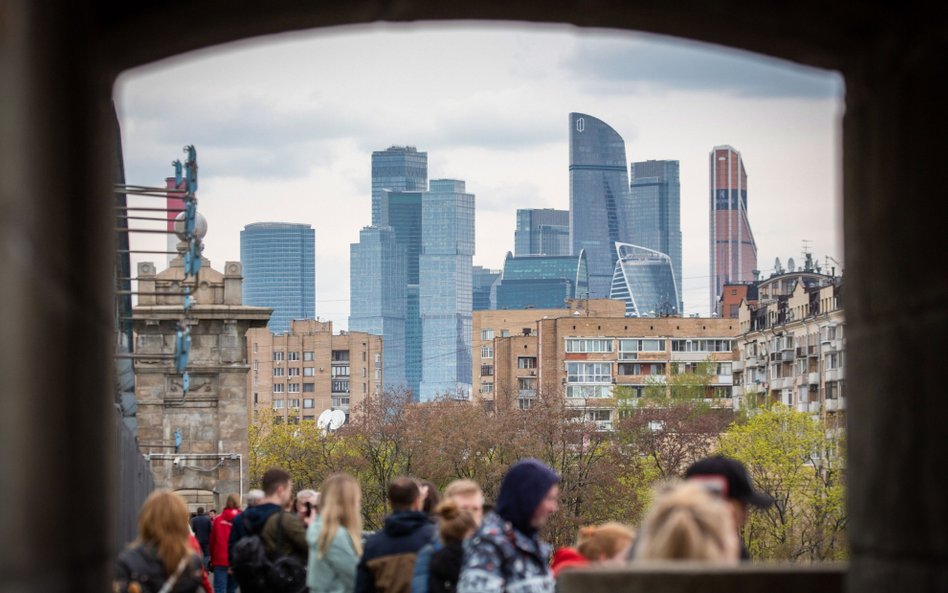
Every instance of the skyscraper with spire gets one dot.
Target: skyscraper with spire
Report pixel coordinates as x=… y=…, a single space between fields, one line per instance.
x=733 y=250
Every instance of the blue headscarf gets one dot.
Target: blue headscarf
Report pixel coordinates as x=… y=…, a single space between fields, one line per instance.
x=521 y=492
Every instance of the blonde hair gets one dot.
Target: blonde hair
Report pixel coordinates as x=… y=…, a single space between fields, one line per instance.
x=462 y=488
x=455 y=524
x=163 y=523
x=340 y=502
x=688 y=523
x=604 y=541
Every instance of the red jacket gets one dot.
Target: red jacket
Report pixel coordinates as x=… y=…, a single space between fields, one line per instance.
x=220 y=534
x=205 y=583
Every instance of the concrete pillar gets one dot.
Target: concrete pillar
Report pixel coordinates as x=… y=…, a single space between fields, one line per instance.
x=57 y=246
x=895 y=150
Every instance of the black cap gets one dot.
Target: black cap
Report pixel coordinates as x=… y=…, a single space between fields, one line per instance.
x=738 y=481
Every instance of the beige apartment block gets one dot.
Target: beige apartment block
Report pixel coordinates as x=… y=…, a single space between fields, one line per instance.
x=586 y=357
x=308 y=370
x=792 y=349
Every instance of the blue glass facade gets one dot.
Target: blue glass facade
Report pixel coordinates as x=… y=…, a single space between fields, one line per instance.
x=445 y=293
x=542 y=282
x=645 y=280
x=399 y=168
x=484 y=284
x=377 y=281
x=542 y=231
x=279 y=263
x=656 y=210
x=599 y=198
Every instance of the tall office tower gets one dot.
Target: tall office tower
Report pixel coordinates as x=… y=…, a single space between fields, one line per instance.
x=645 y=280
x=733 y=250
x=656 y=212
x=447 y=249
x=279 y=260
x=484 y=288
x=542 y=232
x=543 y=281
x=399 y=168
x=599 y=202
x=402 y=213
x=377 y=283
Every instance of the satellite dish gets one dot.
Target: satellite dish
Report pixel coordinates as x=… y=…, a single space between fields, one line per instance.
x=336 y=419
x=791 y=265
x=324 y=420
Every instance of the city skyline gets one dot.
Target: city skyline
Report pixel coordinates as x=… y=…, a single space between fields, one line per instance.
x=303 y=154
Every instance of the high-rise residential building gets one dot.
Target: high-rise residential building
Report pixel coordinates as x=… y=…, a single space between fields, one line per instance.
x=645 y=280
x=447 y=249
x=308 y=370
x=542 y=231
x=399 y=168
x=599 y=198
x=484 y=284
x=279 y=260
x=542 y=282
x=377 y=285
x=733 y=250
x=656 y=211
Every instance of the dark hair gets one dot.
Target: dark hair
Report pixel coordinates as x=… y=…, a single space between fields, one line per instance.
x=455 y=524
x=402 y=493
x=433 y=498
x=233 y=501
x=273 y=479
x=200 y=510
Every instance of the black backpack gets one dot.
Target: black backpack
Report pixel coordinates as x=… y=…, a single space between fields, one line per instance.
x=256 y=572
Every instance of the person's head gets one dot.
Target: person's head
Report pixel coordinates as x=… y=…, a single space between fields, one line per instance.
x=454 y=524
x=606 y=544
x=200 y=511
x=340 y=507
x=254 y=497
x=233 y=501
x=468 y=496
x=163 y=523
x=277 y=486
x=529 y=495
x=431 y=496
x=304 y=496
x=404 y=495
x=212 y=513
x=687 y=522
x=729 y=478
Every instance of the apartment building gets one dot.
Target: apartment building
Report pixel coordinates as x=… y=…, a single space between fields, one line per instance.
x=301 y=373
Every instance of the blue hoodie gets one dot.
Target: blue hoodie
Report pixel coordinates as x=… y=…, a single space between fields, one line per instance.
x=521 y=492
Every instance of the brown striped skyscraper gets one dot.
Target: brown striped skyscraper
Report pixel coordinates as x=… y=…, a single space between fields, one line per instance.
x=733 y=250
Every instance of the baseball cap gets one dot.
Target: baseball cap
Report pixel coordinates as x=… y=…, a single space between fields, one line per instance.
x=739 y=485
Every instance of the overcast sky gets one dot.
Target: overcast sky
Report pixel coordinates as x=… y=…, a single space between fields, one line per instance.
x=285 y=127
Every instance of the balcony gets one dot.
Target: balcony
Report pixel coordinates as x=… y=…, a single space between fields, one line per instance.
x=527 y=393
x=803 y=407
x=814 y=407
x=832 y=346
x=751 y=362
x=737 y=390
x=801 y=352
x=834 y=374
x=831 y=405
x=725 y=380
x=813 y=351
x=813 y=378
x=737 y=366
x=786 y=356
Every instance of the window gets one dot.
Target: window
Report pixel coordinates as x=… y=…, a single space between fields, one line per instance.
x=505 y=333
x=309 y=387
x=308 y=403
x=487 y=334
x=293 y=387
x=588 y=345
x=340 y=356
x=340 y=371
x=487 y=352
x=308 y=355
x=641 y=368
x=278 y=404
x=278 y=371
x=294 y=403
x=308 y=417
x=255 y=397
x=487 y=370
x=697 y=345
x=278 y=420
x=293 y=356
x=526 y=362
x=599 y=415
x=293 y=420
x=724 y=368
x=487 y=388
x=527 y=384
x=309 y=372
x=641 y=345
x=340 y=386
x=278 y=387
x=278 y=355
x=254 y=347
x=293 y=372
x=588 y=372
x=589 y=391
x=256 y=365
x=525 y=403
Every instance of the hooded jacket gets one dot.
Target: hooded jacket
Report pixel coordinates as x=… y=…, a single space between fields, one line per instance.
x=388 y=560
x=260 y=519
x=220 y=534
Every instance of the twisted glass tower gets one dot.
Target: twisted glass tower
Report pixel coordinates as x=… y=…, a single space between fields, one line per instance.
x=599 y=198
x=645 y=280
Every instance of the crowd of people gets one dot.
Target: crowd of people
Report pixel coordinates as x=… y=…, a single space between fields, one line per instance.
x=429 y=543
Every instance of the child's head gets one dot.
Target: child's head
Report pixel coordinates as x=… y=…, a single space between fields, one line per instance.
x=454 y=524
x=606 y=544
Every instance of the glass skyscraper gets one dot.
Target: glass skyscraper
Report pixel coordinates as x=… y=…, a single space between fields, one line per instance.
x=645 y=280
x=447 y=250
x=542 y=232
x=599 y=197
x=377 y=283
x=279 y=262
x=542 y=282
x=484 y=288
x=656 y=211
x=399 y=168
x=733 y=249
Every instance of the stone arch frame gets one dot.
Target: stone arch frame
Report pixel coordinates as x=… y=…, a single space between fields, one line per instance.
x=59 y=58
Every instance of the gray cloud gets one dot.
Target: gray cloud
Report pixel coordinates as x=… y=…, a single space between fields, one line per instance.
x=682 y=65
